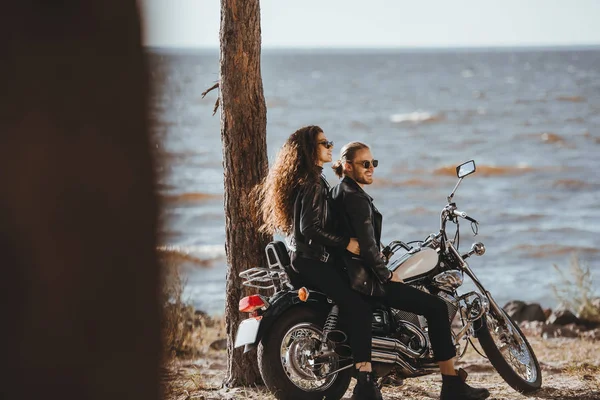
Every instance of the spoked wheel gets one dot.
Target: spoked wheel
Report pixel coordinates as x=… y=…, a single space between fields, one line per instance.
x=509 y=352
x=291 y=361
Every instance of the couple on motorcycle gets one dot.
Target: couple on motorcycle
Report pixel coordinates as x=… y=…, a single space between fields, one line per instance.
x=335 y=240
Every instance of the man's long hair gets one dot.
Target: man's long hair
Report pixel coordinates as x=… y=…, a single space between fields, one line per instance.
x=294 y=167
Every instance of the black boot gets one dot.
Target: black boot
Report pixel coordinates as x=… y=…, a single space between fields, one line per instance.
x=366 y=387
x=455 y=388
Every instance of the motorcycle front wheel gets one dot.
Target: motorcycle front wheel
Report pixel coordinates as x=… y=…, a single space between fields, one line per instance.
x=289 y=360
x=509 y=352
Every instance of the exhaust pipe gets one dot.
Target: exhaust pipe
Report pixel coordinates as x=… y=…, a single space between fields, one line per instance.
x=381 y=343
x=336 y=336
x=391 y=358
x=343 y=350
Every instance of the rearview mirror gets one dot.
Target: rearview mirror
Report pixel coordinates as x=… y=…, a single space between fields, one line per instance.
x=465 y=169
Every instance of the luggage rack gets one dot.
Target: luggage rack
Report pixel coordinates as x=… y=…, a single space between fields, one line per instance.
x=264 y=278
x=274 y=276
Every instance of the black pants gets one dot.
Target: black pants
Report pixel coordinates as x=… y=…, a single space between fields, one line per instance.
x=354 y=310
x=407 y=298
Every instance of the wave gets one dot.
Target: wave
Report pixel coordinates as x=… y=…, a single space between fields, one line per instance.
x=487 y=170
x=358 y=125
x=522 y=217
x=203 y=256
x=549 y=137
x=546 y=137
x=551 y=250
x=416 y=117
x=572 y=99
x=167 y=256
x=572 y=184
x=420 y=211
x=193 y=197
x=167 y=155
x=414 y=182
x=576 y=119
x=276 y=102
x=530 y=101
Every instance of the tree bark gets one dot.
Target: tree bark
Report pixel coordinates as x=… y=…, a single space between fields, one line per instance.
x=243 y=133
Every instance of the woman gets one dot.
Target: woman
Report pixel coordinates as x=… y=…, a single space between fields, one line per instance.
x=293 y=201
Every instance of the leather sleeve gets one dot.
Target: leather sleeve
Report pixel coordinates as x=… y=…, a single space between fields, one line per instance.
x=311 y=219
x=359 y=211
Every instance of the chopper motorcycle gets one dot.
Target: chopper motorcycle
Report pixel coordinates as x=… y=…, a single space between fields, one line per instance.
x=301 y=344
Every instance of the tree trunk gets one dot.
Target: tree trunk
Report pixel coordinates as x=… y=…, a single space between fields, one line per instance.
x=78 y=209
x=243 y=132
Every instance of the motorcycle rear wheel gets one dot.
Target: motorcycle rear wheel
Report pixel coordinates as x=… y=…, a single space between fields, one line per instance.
x=512 y=357
x=285 y=363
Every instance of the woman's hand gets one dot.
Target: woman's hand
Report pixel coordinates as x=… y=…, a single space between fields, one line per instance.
x=353 y=246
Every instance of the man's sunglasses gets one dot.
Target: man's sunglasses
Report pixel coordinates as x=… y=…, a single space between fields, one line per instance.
x=327 y=145
x=367 y=164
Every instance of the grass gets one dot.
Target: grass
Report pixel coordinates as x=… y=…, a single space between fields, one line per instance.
x=186 y=332
x=576 y=290
x=586 y=372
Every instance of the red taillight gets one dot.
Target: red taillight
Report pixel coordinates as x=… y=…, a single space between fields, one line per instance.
x=251 y=303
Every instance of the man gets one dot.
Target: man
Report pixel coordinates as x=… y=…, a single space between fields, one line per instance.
x=357 y=217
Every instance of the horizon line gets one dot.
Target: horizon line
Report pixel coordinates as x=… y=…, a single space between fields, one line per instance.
x=358 y=47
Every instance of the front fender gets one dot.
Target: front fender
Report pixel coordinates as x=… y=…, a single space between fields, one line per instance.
x=281 y=303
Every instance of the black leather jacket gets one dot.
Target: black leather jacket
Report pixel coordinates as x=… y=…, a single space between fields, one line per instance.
x=357 y=217
x=313 y=223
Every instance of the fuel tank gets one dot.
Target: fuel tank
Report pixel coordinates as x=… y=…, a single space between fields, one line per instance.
x=416 y=263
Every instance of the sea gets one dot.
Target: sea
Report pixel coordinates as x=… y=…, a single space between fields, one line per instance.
x=529 y=117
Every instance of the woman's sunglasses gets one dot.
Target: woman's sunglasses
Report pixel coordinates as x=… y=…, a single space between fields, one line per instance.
x=327 y=145
x=367 y=164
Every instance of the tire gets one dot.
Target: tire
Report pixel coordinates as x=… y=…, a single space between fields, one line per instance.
x=525 y=375
x=281 y=380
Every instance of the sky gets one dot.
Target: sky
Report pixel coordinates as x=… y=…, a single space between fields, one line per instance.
x=382 y=23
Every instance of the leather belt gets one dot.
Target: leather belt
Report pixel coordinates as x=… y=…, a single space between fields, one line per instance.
x=324 y=257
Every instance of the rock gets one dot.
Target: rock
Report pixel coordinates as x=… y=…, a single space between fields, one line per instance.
x=593 y=335
x=562 y=317
x=513 y=309
x=533 y=328
x=533 y=312
x=554 y=331
x=220 y=344
x=520 y=311
x=202 y=318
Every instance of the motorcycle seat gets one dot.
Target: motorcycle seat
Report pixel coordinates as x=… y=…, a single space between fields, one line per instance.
x=277 y=255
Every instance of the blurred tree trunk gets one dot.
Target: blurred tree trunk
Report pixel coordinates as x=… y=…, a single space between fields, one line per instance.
x=78 y=209
x=243 y=133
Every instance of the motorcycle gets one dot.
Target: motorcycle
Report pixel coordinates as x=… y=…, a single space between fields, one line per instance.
x=301 y=343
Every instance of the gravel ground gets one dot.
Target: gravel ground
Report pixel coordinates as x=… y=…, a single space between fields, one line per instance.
x=570 y=367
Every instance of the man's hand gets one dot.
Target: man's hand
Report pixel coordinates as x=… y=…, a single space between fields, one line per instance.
x=396 y=278
x=353 y=246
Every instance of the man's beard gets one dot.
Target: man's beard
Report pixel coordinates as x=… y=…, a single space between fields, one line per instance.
x=364 y=180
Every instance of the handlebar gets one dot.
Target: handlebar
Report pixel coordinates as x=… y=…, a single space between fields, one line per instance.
x=464 y=215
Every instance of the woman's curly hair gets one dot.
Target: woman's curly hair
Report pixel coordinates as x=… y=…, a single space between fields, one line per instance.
x=294 y=166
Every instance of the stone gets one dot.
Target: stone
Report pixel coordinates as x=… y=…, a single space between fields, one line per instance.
x=562 y=316
x=520 y=311
x=533 y=328
x=533 y=312
x=513 y=308
x=220 y=344
x=555 y=331
x=593 y=335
